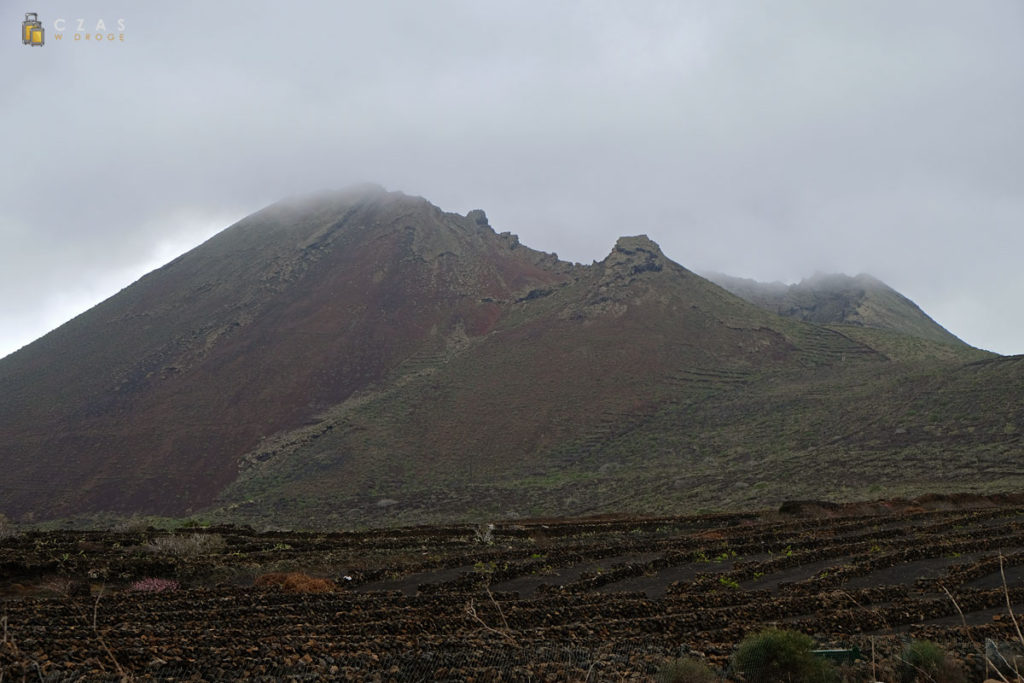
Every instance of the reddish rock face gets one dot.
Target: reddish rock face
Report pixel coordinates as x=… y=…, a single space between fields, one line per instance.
x=148 y=400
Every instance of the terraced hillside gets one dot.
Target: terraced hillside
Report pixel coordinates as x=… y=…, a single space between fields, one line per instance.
x=846 y=423
x=594 y=599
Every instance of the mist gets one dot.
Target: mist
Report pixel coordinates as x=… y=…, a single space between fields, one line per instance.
x=769 y=142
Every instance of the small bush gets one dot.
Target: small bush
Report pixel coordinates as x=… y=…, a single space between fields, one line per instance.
x=923 y=660
x=188 y=546
x=7 y=529
x=775 y=655
x=295 y=582
x=686 y=670
x=131 y=525
x=484 y=533
x=153 y=585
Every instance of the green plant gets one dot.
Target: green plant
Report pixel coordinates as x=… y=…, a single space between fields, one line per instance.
x=923 y=660
x=728 y=583
x=686 y=670
x=481 y=567
x=774 y=655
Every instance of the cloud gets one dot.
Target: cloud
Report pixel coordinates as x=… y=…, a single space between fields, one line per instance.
x=764 y=140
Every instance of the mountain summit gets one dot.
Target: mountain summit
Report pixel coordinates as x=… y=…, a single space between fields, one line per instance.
x=364 y=357
x=863 y=301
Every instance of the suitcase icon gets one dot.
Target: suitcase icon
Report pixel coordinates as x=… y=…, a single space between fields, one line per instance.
x=32 y=29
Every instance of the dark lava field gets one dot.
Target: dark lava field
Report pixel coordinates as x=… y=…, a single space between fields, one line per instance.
x=591 y=599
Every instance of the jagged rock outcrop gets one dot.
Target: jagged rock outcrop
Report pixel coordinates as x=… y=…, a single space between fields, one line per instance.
x=634 y=255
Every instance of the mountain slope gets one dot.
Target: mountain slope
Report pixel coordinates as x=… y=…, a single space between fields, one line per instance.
x=363 y=357
x=147 y=400
x=861 y=301
x=703 y=411
x=557 y=377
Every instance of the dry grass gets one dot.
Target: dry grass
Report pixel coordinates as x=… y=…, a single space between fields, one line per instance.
x=188 y=546
x=296 y=582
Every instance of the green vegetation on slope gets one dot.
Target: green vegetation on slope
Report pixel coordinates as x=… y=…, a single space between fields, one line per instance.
x=715 y=406
x=366 y=358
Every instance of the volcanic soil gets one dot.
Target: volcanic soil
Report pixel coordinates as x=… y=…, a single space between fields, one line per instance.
x=581 y=599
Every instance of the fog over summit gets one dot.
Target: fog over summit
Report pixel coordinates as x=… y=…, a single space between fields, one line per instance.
x=767 y=142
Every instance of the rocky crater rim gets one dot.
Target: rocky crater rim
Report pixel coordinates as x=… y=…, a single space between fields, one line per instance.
x=638 y=249
x=632 y=244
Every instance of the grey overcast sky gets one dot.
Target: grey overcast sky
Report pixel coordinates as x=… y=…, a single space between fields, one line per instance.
x=762 y=138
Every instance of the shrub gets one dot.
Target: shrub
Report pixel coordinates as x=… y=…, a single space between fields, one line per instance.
x=7 y=529
x=131 y=525
x=774 y=655
x=484 y=533
x=153 y=585
x=295 y=582
x=686 y=670
x=188 y=546
x=923 y=660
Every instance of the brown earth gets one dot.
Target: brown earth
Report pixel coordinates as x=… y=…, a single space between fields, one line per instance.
x=601 y=599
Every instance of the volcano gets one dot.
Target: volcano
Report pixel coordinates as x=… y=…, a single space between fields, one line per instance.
x=363 y=357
